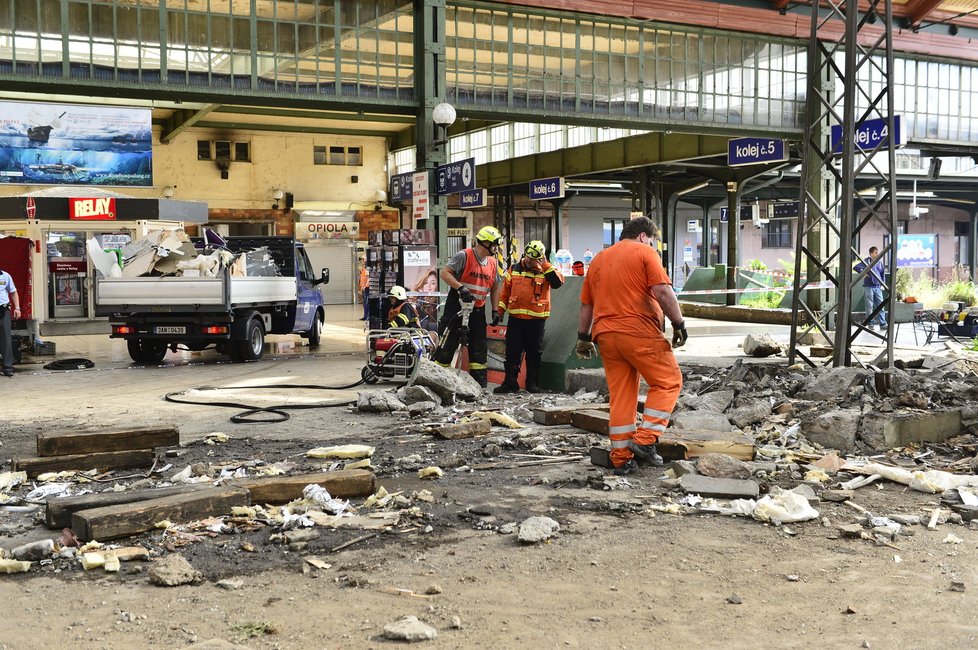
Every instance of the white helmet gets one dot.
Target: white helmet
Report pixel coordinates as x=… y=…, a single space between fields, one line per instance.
x=398 y=292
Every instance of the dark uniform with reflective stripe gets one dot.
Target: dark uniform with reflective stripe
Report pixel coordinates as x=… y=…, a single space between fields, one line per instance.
x=403 y=315
x=478 y=279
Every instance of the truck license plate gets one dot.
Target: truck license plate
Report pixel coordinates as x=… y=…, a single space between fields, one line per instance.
x=170 y=329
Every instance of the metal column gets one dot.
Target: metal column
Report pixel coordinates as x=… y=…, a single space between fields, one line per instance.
x=832 y=213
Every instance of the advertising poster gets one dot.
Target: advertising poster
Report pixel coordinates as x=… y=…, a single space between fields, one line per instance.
x=916 y=251
x=421 y=282
x=62 y=144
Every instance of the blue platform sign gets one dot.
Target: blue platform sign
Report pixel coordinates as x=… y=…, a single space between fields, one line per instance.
x=472 y=199
x=401 y=187
x=870 y=134
x=455 y=177
x=916 y=251
x=547 y=188
x=753 y=151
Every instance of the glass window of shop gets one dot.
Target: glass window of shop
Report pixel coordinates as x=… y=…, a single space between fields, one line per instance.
x=69 y=276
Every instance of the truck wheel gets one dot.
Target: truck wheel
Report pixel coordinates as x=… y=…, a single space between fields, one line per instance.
x=135 y=350
x=142 y=351
x=253 y=346
x=153 y=351
x=315 y=333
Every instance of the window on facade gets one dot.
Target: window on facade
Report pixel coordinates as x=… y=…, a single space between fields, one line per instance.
x=337 y=155
x=319 y=155
x=612 y=230
x=222 y=149
x=242 y=151
x=776 y=234
x=203 y=150
x=537 y=228
x=354 y=156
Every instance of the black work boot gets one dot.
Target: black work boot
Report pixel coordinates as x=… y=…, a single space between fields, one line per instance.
x=509 y=385
x=533 y=380
x=646 y=454
x=480 y=377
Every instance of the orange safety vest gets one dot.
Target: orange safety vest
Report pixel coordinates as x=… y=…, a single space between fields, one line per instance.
x=477 y=278
x=526 y=294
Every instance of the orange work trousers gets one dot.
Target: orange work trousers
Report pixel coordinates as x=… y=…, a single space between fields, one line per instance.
x=625 y=358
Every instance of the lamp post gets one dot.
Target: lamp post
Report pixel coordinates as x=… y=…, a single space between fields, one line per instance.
x=432 y=152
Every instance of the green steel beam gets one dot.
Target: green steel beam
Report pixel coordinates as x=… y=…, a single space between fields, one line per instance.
x=278 y=128
x=182 y=120
x=624 y=153
x=359 y=116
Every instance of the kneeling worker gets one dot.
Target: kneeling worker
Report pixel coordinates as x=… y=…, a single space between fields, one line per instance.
x=403 y=312
x=526 y=296
x=473 y=277
x=626 y=292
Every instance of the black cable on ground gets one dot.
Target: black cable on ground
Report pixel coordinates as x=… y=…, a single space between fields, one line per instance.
x=250 y=410
x=70 y=364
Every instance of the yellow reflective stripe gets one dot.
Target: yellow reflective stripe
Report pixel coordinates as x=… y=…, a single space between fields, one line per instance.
x=552 y=269
x=525 y=274
x=477 y=366
x=502 y=305
x=528 y=312
x=444 y=365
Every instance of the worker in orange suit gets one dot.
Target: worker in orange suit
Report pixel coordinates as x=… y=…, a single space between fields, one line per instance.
x=363 y=288
x=625 y=295
x=526 y=296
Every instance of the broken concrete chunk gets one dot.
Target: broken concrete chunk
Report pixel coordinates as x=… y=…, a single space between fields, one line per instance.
x=34 y=551
x=851 y=531
x=702 y=421
x=750 y=412
x=888 y=430
x=835 y=429
x=722 y=466
x=418 y=409
x=414 y=394
x=833 y=383
x=837 y=496
x=715 y=402
x=173 y=570
x=410 y=629
x=723 y=488
x=447 y=383
x=378 y=401
x=761 y=345
x=682 y=467
x=537 y=529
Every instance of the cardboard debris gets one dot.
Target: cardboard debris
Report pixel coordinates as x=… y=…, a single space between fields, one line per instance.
x=341 y=451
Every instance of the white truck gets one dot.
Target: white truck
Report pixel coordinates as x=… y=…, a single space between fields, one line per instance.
x=231 y=313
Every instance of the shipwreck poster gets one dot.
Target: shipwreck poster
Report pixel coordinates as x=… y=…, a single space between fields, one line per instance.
x=66 y=144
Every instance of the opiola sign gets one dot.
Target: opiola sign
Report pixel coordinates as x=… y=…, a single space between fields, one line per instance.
x=327 y=230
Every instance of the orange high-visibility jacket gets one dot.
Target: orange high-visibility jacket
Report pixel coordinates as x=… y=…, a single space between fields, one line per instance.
x=477 y=278
x=526 y=293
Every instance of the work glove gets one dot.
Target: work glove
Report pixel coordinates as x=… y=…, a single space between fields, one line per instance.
x=585 y=348
x=679 y=335
x=497 y=317
x=465 y=295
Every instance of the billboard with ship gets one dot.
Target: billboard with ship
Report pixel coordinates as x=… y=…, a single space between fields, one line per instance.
x=59 y=144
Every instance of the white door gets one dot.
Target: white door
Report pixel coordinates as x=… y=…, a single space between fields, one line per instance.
x=339 y=256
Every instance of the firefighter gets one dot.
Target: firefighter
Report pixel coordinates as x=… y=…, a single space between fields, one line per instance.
x=526 y=296
x=473 y=277
x=403 y=312
x=624 y=299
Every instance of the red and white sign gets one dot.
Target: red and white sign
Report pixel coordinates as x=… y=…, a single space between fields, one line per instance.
x=31 y=207
x=99 y=209
x=419 y=189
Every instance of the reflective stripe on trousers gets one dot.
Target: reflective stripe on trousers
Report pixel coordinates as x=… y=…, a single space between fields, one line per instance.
x=625 y=360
